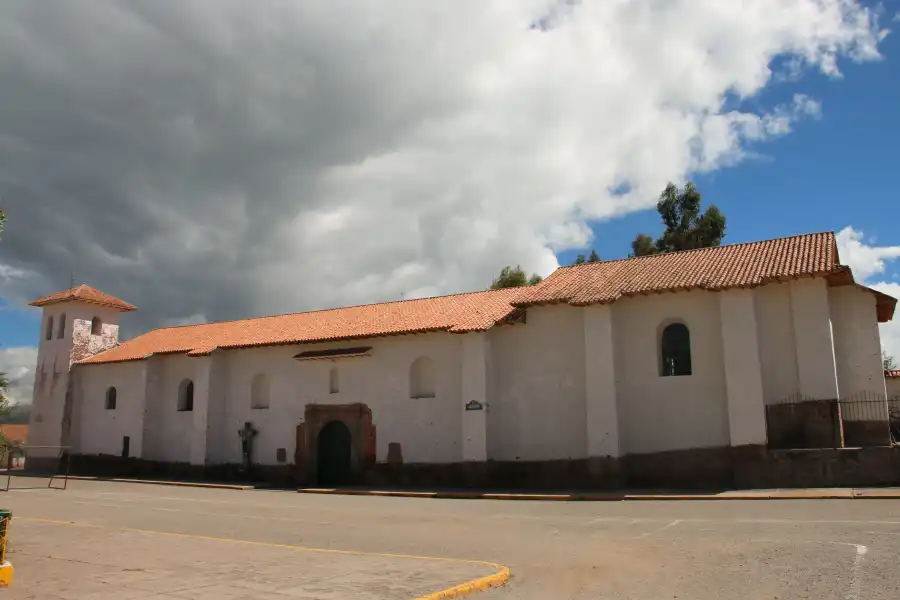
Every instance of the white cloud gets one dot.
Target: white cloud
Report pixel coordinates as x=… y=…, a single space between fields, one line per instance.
x=867 y=261
x=19 y=364
x=213 y=158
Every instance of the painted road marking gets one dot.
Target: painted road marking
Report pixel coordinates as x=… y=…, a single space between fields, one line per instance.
x=855 y=579
x=855 y=568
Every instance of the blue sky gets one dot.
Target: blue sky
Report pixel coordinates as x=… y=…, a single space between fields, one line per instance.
x=829 y=173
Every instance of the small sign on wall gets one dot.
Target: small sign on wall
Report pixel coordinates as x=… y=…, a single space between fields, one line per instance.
x=474 y=405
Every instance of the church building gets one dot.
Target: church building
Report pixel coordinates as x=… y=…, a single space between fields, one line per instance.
x=661 y=369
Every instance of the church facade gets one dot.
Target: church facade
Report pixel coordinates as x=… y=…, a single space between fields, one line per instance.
x=665 y=369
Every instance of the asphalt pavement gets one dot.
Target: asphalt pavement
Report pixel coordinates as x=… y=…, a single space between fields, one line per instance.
x=266 y=543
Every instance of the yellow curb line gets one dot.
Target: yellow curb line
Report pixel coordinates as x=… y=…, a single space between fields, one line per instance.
x=470 y=587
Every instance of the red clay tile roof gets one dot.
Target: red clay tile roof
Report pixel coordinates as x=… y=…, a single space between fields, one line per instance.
x=85 y=293
x=725 y=267
x=884 y=305
x=892 y=374
x=460 y=313
x=15 y=433
x=720 y=268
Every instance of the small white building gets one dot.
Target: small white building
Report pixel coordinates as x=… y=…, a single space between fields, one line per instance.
x=610 y=371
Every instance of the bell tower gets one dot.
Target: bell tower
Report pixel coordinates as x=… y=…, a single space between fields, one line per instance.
x=75 y=324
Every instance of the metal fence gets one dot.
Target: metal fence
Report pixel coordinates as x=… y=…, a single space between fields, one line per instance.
x=894 y=418
x=858 y=420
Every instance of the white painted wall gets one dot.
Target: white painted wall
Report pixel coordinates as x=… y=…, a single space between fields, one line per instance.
x=169 y=431
x=570 y=383
x=856 y=342
x=777 y=350
x=893 y=387
x=429 y=429
x=538 y=407
x=743 y=372
x=101 y=430
x=601 y=399
x=475 y=367
x=55 y=357
x=813 y=338
x=667 y=413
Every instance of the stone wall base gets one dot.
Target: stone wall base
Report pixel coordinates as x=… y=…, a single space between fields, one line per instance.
x=859 y=434
x=704 y=468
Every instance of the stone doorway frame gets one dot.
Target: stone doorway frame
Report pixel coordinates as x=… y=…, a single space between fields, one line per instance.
x=358 y=419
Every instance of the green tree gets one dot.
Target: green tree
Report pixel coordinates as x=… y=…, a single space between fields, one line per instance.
x=5 y=409
x=687 y=227
x=581 y=258
x=888 y=361
x=514 y=277
x=2 y=221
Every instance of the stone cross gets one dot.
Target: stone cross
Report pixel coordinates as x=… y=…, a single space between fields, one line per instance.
x=247 y=433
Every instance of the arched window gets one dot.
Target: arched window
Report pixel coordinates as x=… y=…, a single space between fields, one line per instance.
x=96 y=326
x=333 y=384
x=111 y=398
x=675 y=350
x=421 y=378
x=259 y=392
x=186 y=395
x=61 y=331
x=49 y=334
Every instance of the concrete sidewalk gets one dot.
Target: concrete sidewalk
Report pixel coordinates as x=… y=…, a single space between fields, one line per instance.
x=774 y=494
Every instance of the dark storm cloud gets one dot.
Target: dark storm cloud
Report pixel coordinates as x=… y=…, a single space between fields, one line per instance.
x=153 y=147
x=223 y=158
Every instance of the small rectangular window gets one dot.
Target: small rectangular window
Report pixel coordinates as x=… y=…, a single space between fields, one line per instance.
x=126 y=446
x=333 y=385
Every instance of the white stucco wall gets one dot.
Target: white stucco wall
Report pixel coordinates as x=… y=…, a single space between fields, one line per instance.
x=743 y=372
x=856 y=342
x=52 y=370
x=893 y=387
x=667 y=413
x=100 y=430
x=538 y=407
x=777 y=350
x=814 y=340
x=428 y=429
x=169 y=431
x=571 y=382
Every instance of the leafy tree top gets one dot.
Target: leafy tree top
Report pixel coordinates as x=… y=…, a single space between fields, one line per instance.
x=889 y=363
x=687 y=228
x=581 y=259
x=514 y=277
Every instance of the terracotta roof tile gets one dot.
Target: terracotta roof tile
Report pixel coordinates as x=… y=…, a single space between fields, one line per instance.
x=15 y=433
x=738 y=265
x=460 y=313
x=85 y=293
x=723 y=267
x=892 y=374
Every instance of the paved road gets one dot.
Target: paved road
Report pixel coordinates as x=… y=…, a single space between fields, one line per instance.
x=698 y=550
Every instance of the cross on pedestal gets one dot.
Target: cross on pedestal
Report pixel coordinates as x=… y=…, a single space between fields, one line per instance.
x=247 y=433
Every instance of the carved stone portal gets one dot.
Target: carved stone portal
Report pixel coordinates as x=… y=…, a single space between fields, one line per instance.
x=357 y=418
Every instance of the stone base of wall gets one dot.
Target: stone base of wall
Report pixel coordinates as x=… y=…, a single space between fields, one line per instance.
x=703 y=468
x=859 y=434
x=41 y=465
x=116 y=466
x=807 y=424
